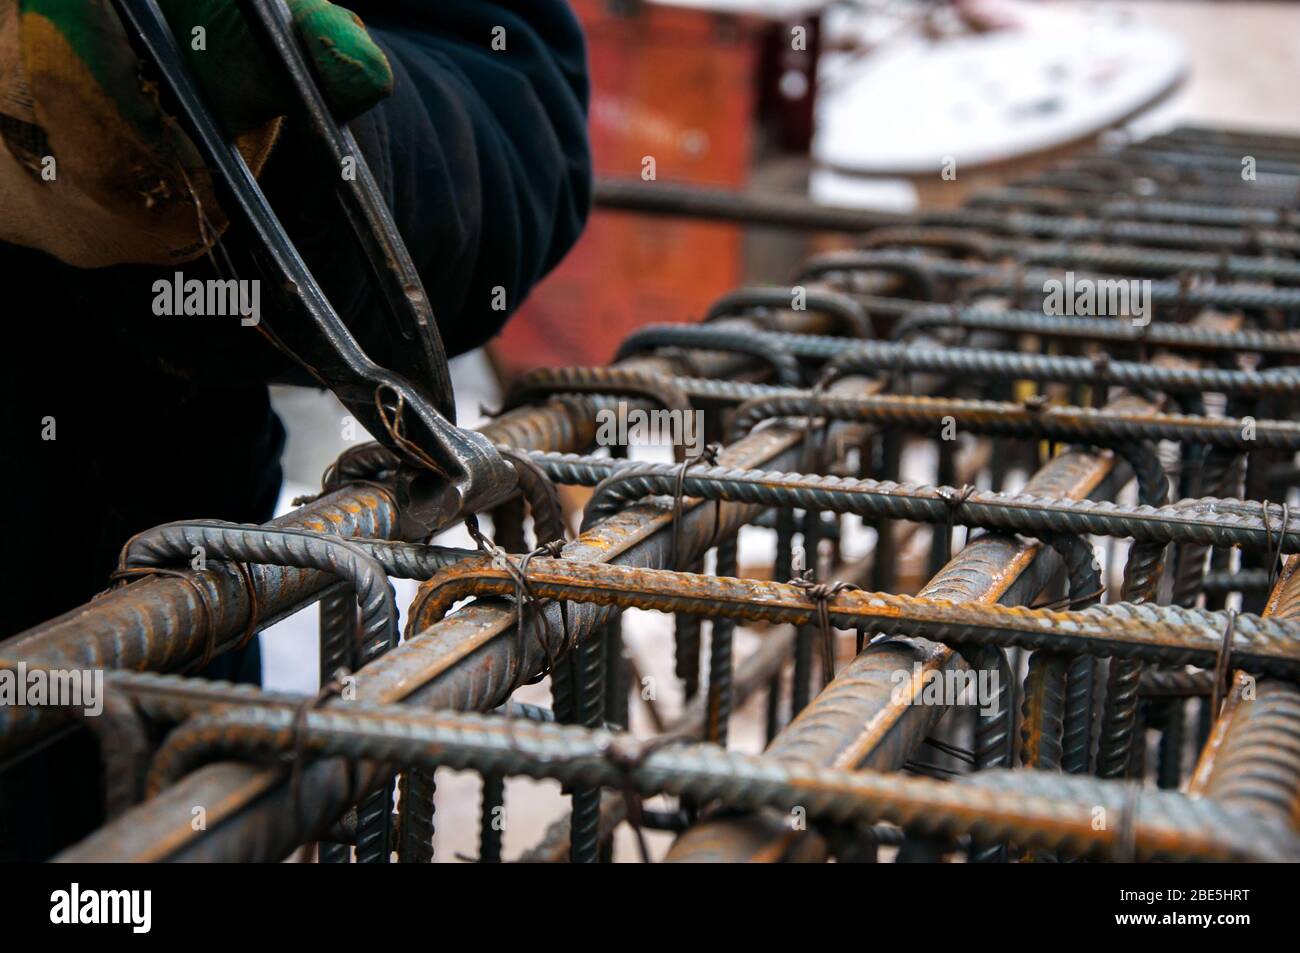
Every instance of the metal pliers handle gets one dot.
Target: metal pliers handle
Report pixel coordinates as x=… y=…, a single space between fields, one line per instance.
x=446 y=472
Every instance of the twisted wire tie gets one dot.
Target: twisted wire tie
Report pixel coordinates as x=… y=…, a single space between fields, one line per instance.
x=708 y=456
x=1185 y=279
x=627 y=755
x=525 y=601
x=331 y=689
x=1069 y=602
x=955 y=499
x=1273 y=552
x=820 y=594
x=124 y=574
x=1222 y=662
x=1020 y=273
x=528 y=602
x=816 y=439
x=330 y=480
x=396 y=428
x=1101 y=364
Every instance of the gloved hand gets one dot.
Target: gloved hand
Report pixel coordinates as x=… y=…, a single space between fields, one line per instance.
x=90 y=168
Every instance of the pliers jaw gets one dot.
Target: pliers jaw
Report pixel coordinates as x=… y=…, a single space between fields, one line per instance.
x=427 y=502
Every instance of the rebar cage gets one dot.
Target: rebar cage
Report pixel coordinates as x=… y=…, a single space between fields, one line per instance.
x=1144 y=706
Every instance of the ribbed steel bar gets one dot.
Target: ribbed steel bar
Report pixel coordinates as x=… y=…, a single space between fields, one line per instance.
x=338 y=633
x=1230 y=138
x=994 y=741
x=686 y=646
x=1145 y=209
x=926 y=274
x=1242 y=580
x=1054 y=813
x=491 y=818
x=375 y=634
x=1042 y=727
x=869 y=357
x=1112 y=169
x=1168 y=635
x=1120 y=230
x=464 y=663
x=1208 y=521
x=1088 y=186
x=927 y=317
x=1118 y=726
x=753 y=674
x=1173 y=731
x=164 y=545
x=1153 y=154
x=578 y=683
x=274 y=771
x=1057 y=728
x=651 y=337
x=1043 y=717
x=165 y=623
x=781 y=349
x=720 y=690
x=169 y=622
x=1211 y=476
x=605 y=381
x=860 y=719
x=1252 y=759
x=1031 y=421
x=1174 y=337
x=1224 y=268
x=852 y=318
x=1158 y=683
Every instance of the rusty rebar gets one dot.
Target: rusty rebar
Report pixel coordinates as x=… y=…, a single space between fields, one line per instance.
x=276 y=770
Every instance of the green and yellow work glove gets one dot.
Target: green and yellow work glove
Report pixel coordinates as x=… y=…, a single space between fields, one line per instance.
x=90 y=168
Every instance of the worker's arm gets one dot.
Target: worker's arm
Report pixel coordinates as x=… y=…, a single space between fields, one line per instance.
x=481 y=151
x=472 y=116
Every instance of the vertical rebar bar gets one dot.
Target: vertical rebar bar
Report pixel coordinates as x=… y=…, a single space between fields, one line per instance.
x=721 y=632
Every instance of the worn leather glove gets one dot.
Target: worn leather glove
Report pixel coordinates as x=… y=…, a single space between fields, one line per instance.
x=92 y=171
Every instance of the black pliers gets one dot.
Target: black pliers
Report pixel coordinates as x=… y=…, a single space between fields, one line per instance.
x=446 y=472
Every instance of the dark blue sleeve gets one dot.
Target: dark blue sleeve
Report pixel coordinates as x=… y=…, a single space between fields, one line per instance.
x=482 y=151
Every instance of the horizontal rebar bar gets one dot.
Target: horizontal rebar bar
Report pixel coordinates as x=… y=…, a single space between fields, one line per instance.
x=1033 y=809
x=1055 y=422
x=1170 y=635
x=1209 y=521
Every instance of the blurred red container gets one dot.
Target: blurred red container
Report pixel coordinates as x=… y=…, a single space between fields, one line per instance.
x=678 y=86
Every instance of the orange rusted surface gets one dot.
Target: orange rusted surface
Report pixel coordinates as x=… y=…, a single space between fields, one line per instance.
x=1252 y=756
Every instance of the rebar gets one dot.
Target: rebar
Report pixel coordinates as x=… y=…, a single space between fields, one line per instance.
x=1003 y=804
x=938 y=427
